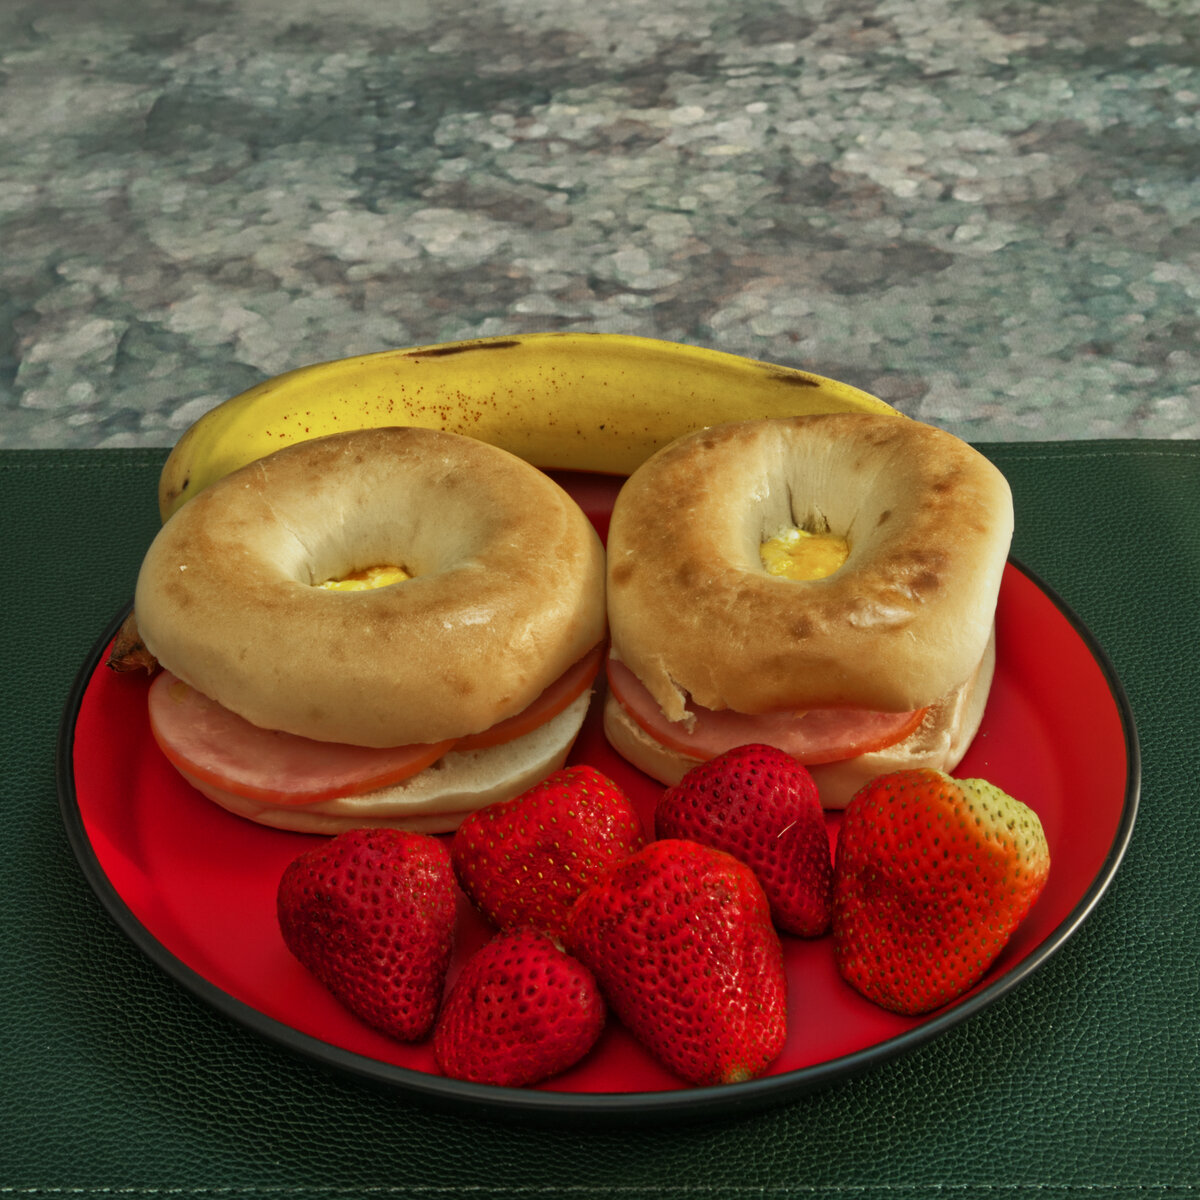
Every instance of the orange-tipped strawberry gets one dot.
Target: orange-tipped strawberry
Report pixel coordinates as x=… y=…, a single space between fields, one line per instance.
x=520 y=1011
x=760 y=805
x=371 y=914
x=680 y=937
x=524 y=861
x=932 y=877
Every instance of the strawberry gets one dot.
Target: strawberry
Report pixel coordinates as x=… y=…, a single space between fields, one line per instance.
x=371 y=914
x=932 y=876
x=680 y=937
x=520 y=1011
x=523 y=861
x=760 y=805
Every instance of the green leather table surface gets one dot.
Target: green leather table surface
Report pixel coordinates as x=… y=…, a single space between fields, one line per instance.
x=1083 y=1081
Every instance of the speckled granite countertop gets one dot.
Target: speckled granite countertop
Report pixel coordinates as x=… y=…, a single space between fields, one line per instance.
x=987 y=214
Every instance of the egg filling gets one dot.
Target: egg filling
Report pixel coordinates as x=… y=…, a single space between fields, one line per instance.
x=366 y=579
x=800 y=554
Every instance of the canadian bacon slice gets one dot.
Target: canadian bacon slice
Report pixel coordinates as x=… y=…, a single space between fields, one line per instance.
x=571 y=684
x=817 y=736
x=209 y=742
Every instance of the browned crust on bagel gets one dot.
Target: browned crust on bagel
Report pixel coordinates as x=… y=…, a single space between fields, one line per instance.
x=693 y=613
x=508 y=589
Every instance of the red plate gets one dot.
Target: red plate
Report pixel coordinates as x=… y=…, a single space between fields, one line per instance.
x=194 y=886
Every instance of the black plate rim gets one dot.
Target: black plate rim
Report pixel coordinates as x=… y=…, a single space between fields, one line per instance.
x=591 y=1107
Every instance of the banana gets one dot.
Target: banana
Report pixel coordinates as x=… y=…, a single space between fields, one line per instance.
x=571 y=401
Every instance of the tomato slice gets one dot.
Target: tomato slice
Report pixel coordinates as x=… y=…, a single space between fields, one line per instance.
x=218 y=747
x=821 y=735
x=571 y=684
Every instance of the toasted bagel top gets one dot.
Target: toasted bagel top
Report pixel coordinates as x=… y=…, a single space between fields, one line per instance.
x=693 y=612
x=506 y=591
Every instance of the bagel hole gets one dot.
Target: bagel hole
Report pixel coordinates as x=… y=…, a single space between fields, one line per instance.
x=799 y=553
x=382 y=531
x=799 y=537
x=365 y=579
x=801 y=546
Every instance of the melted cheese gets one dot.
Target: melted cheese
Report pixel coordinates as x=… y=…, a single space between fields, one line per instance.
x=366 y=579
x=799 y=554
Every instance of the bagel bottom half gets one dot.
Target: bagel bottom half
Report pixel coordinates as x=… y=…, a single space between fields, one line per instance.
x=940 y=741
x=435 y=800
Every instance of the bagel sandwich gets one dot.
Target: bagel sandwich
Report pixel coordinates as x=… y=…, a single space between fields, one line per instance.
x=825 y=584
x=390 y=626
